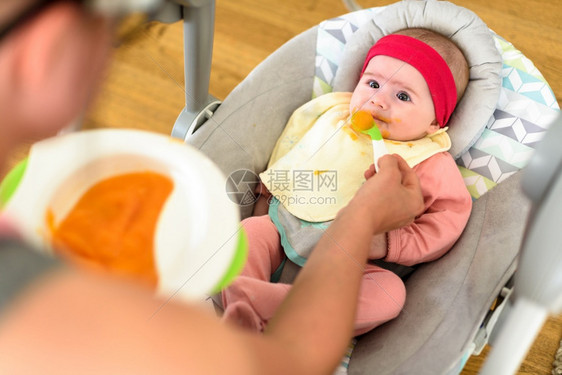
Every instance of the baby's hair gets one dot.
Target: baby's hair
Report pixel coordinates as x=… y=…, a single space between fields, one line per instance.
x=448 y=50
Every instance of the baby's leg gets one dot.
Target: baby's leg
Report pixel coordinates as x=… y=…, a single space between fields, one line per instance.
x=251 y=299
x=251 y=303
x=381 y=298
x=265 y=253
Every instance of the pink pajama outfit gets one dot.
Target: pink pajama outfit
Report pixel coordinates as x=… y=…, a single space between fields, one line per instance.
x=252 y=299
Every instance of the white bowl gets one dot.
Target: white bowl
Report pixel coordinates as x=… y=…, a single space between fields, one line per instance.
x=199 y=244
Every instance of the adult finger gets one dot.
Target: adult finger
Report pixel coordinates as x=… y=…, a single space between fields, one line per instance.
x=411 y=182
x=388 y=162
x=370 y=172
x=409 y=177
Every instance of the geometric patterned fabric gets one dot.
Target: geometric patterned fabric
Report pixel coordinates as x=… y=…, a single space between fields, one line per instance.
x=525 y=109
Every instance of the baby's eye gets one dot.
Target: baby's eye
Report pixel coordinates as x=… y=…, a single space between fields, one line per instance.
x=403 y=96
x=374 y=84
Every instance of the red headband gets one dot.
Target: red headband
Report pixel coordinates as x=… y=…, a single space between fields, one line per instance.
x=428 y=62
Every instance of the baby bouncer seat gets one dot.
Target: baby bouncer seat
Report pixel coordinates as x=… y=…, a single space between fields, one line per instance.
x=505 y=111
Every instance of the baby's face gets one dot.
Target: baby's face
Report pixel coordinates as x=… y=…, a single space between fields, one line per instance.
x=397 y=97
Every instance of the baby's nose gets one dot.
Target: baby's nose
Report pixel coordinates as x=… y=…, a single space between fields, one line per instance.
x=380 y=100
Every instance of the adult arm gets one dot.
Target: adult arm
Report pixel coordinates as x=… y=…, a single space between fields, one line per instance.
x=328 y=284
x=75 y=322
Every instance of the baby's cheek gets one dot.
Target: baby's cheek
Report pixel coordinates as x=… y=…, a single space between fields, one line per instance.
x=354 y=103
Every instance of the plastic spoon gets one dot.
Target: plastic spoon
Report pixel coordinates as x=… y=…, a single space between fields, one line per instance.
x=362 y=121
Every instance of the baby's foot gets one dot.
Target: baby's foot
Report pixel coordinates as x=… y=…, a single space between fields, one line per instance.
x=242 y=314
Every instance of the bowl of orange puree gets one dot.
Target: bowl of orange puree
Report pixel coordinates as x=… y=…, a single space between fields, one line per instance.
x=136 y=204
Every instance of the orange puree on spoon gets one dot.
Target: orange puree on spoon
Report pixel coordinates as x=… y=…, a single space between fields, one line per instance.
x=113 y=224
x=361 y=120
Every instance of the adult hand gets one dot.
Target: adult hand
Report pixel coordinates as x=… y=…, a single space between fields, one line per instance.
x=392 y=196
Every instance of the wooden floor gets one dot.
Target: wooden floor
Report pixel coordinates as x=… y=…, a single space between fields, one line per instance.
x=144 y=89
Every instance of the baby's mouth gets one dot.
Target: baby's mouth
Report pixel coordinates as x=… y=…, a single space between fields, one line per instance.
x=379 y=122
x=381 y=119
x=382 y=124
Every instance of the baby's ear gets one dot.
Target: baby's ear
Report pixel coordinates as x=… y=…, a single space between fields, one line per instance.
x=433 y=127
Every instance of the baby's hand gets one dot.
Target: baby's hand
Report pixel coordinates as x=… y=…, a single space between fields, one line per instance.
x=378 y=247
x=261 y=207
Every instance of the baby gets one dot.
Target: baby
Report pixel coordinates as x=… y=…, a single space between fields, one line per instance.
x=410 y=83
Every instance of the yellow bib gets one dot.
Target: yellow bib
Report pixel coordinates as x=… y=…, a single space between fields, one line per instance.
x=318 y=162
